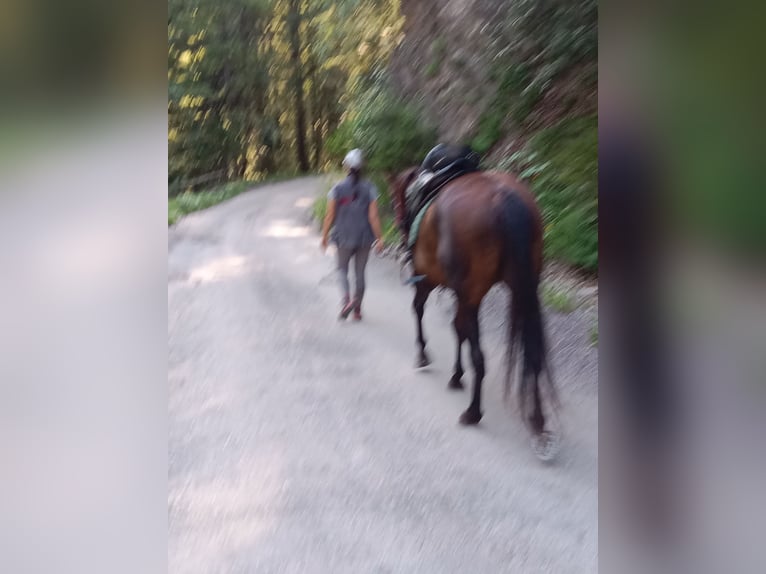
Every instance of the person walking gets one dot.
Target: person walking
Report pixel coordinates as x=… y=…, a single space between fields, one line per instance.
x=352 y=215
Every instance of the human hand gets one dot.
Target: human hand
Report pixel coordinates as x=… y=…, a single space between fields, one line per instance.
x=378 y=246
x=323 y=245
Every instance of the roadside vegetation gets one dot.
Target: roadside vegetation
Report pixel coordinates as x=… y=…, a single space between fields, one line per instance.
x=558 y=299
x=189 y=202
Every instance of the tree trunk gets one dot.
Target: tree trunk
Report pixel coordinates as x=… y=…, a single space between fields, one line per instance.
x=316 y=104
x=294 y=25
x=317 y=143
x=316 y=123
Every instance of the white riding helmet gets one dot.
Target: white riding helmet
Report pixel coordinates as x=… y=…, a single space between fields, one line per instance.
x=353 y=159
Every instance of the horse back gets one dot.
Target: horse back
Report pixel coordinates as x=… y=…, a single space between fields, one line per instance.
x=461 y=245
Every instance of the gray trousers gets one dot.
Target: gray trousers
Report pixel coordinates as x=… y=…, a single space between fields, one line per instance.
x=360 y=255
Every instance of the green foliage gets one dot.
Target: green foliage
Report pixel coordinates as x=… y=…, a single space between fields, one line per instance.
x=251 y=94
x=514 y=98
x=574 y=237
x=438 y=48
x=558 y=299
x=384 y=197
x=391 y=132
x=189 y=202
x=554 y=36
x=540 y=42
x=340 y=142
x=256 y=86
x=516 y=91
x=320 y=207
x=390 y=231
x=488 y=131
x=593 y=335
x=212 y=123
x=562 y=162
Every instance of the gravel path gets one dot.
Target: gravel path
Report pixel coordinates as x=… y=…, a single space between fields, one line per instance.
x=301 y=445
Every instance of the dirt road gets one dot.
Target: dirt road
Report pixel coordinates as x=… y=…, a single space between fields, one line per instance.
x=301 y=445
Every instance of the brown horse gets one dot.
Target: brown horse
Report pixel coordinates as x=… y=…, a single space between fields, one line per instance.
x=485 y=228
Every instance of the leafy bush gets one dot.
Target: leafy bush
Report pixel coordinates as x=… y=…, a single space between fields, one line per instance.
x=320 y=207
x=388 y=225
x=555 y=36
x=392 y=133
x=340 y=141
x=514 y=98
x=488 y=131
x=384 y=196
x=390 y=231
x=558 y=299
x=535 y=48
x=189 y=202
x=562 y=162
x=389 y=131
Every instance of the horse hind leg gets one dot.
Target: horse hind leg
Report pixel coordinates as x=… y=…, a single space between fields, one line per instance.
x=422 y=291
x=473 y=414
x=545 y=442
x=460 y=324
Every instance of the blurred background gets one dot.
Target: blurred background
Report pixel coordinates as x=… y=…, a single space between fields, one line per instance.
x=682 y=309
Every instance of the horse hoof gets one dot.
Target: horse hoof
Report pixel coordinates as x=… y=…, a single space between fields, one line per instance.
x=546 y=446
x=455 y=384
x=470 y=417
x=422 y=362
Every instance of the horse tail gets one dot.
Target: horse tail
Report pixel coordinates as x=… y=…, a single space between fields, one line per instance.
x=525 y=321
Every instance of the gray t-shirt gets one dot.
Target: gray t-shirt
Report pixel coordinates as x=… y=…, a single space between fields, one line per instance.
x=352 y=203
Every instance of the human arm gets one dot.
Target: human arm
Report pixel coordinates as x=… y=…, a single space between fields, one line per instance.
x=329 y=218
x=375 y=224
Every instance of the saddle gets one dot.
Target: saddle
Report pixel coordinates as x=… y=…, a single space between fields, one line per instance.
x=440 y=166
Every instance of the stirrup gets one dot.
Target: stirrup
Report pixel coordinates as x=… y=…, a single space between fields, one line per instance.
x=407 y=272
x=405 y=269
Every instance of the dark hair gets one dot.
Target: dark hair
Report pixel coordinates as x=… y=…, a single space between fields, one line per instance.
x=355 y=175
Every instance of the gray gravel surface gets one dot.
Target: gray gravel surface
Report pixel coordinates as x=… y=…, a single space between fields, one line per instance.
x=298 y=444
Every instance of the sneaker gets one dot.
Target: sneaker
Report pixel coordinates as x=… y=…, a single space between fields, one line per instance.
x=345 y=311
